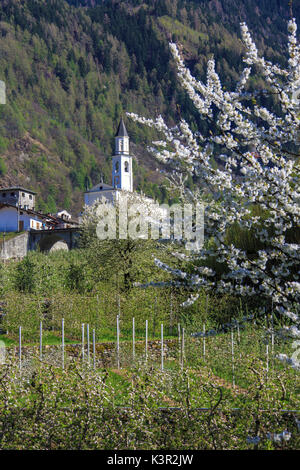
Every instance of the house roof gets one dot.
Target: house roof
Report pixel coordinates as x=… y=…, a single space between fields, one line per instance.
x=58 y=214
x=28 y=211
x=46 y=217
x=18 y=188
x=121 y=132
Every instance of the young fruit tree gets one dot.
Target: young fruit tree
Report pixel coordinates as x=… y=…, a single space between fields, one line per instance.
x=114 y=240
x=254 y=187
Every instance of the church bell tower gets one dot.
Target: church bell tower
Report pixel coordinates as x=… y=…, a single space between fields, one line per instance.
x=122 y=161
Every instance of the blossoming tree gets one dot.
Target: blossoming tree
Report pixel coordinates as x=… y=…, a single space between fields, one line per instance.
x=256 y=188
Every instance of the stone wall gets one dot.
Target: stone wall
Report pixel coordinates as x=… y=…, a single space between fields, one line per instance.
x=15 y=248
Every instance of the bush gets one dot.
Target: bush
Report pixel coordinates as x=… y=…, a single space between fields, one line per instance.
x=25 y=276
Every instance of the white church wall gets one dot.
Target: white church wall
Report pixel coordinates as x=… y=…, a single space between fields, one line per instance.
x=91 y=197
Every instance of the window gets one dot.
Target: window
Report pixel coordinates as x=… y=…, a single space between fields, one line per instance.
x=30 y=196
x=117 y=166
x=12 y=194
x=23 y=194
x=126 y=167
x=3 y=194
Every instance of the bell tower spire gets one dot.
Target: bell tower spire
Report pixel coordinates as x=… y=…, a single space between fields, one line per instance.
x=122 y=161
x=121 y=139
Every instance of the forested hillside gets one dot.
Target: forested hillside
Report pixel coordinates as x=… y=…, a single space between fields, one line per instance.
x=73 y=68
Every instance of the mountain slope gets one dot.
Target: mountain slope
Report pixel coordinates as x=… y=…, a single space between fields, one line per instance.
x=73 y=68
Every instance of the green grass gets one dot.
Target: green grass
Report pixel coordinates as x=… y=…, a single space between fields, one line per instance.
x=48 y=339
x=182 y=31
x=52 y=339
x=7 y=341
x=120 y=385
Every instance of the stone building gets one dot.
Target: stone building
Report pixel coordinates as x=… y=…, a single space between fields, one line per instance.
x=18 y=197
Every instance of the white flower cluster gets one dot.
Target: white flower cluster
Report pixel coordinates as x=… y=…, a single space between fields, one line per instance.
x=260 y=151
x=290 y=361
x=190 y=300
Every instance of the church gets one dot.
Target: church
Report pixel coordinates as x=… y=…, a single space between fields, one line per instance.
x=122 y=178
x=121 y=194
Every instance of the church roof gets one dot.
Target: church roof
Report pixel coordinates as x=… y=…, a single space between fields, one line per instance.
x=100 y=187
x=121 y=132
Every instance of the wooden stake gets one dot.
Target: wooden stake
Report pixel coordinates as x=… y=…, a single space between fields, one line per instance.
x=118 y=343
x=82 y=341
x=133 y=339
x=63 y=342
x=146 y=341
x=94 y=349
x=171 y=316
x=267 y=361
x=232 y=356
x=88 y=342
x=179 y=343
x=182 y=349
x=20 y=347
x=162 y=346
x=41 y=341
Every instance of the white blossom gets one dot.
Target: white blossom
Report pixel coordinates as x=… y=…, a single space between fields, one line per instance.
x=267 y=156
